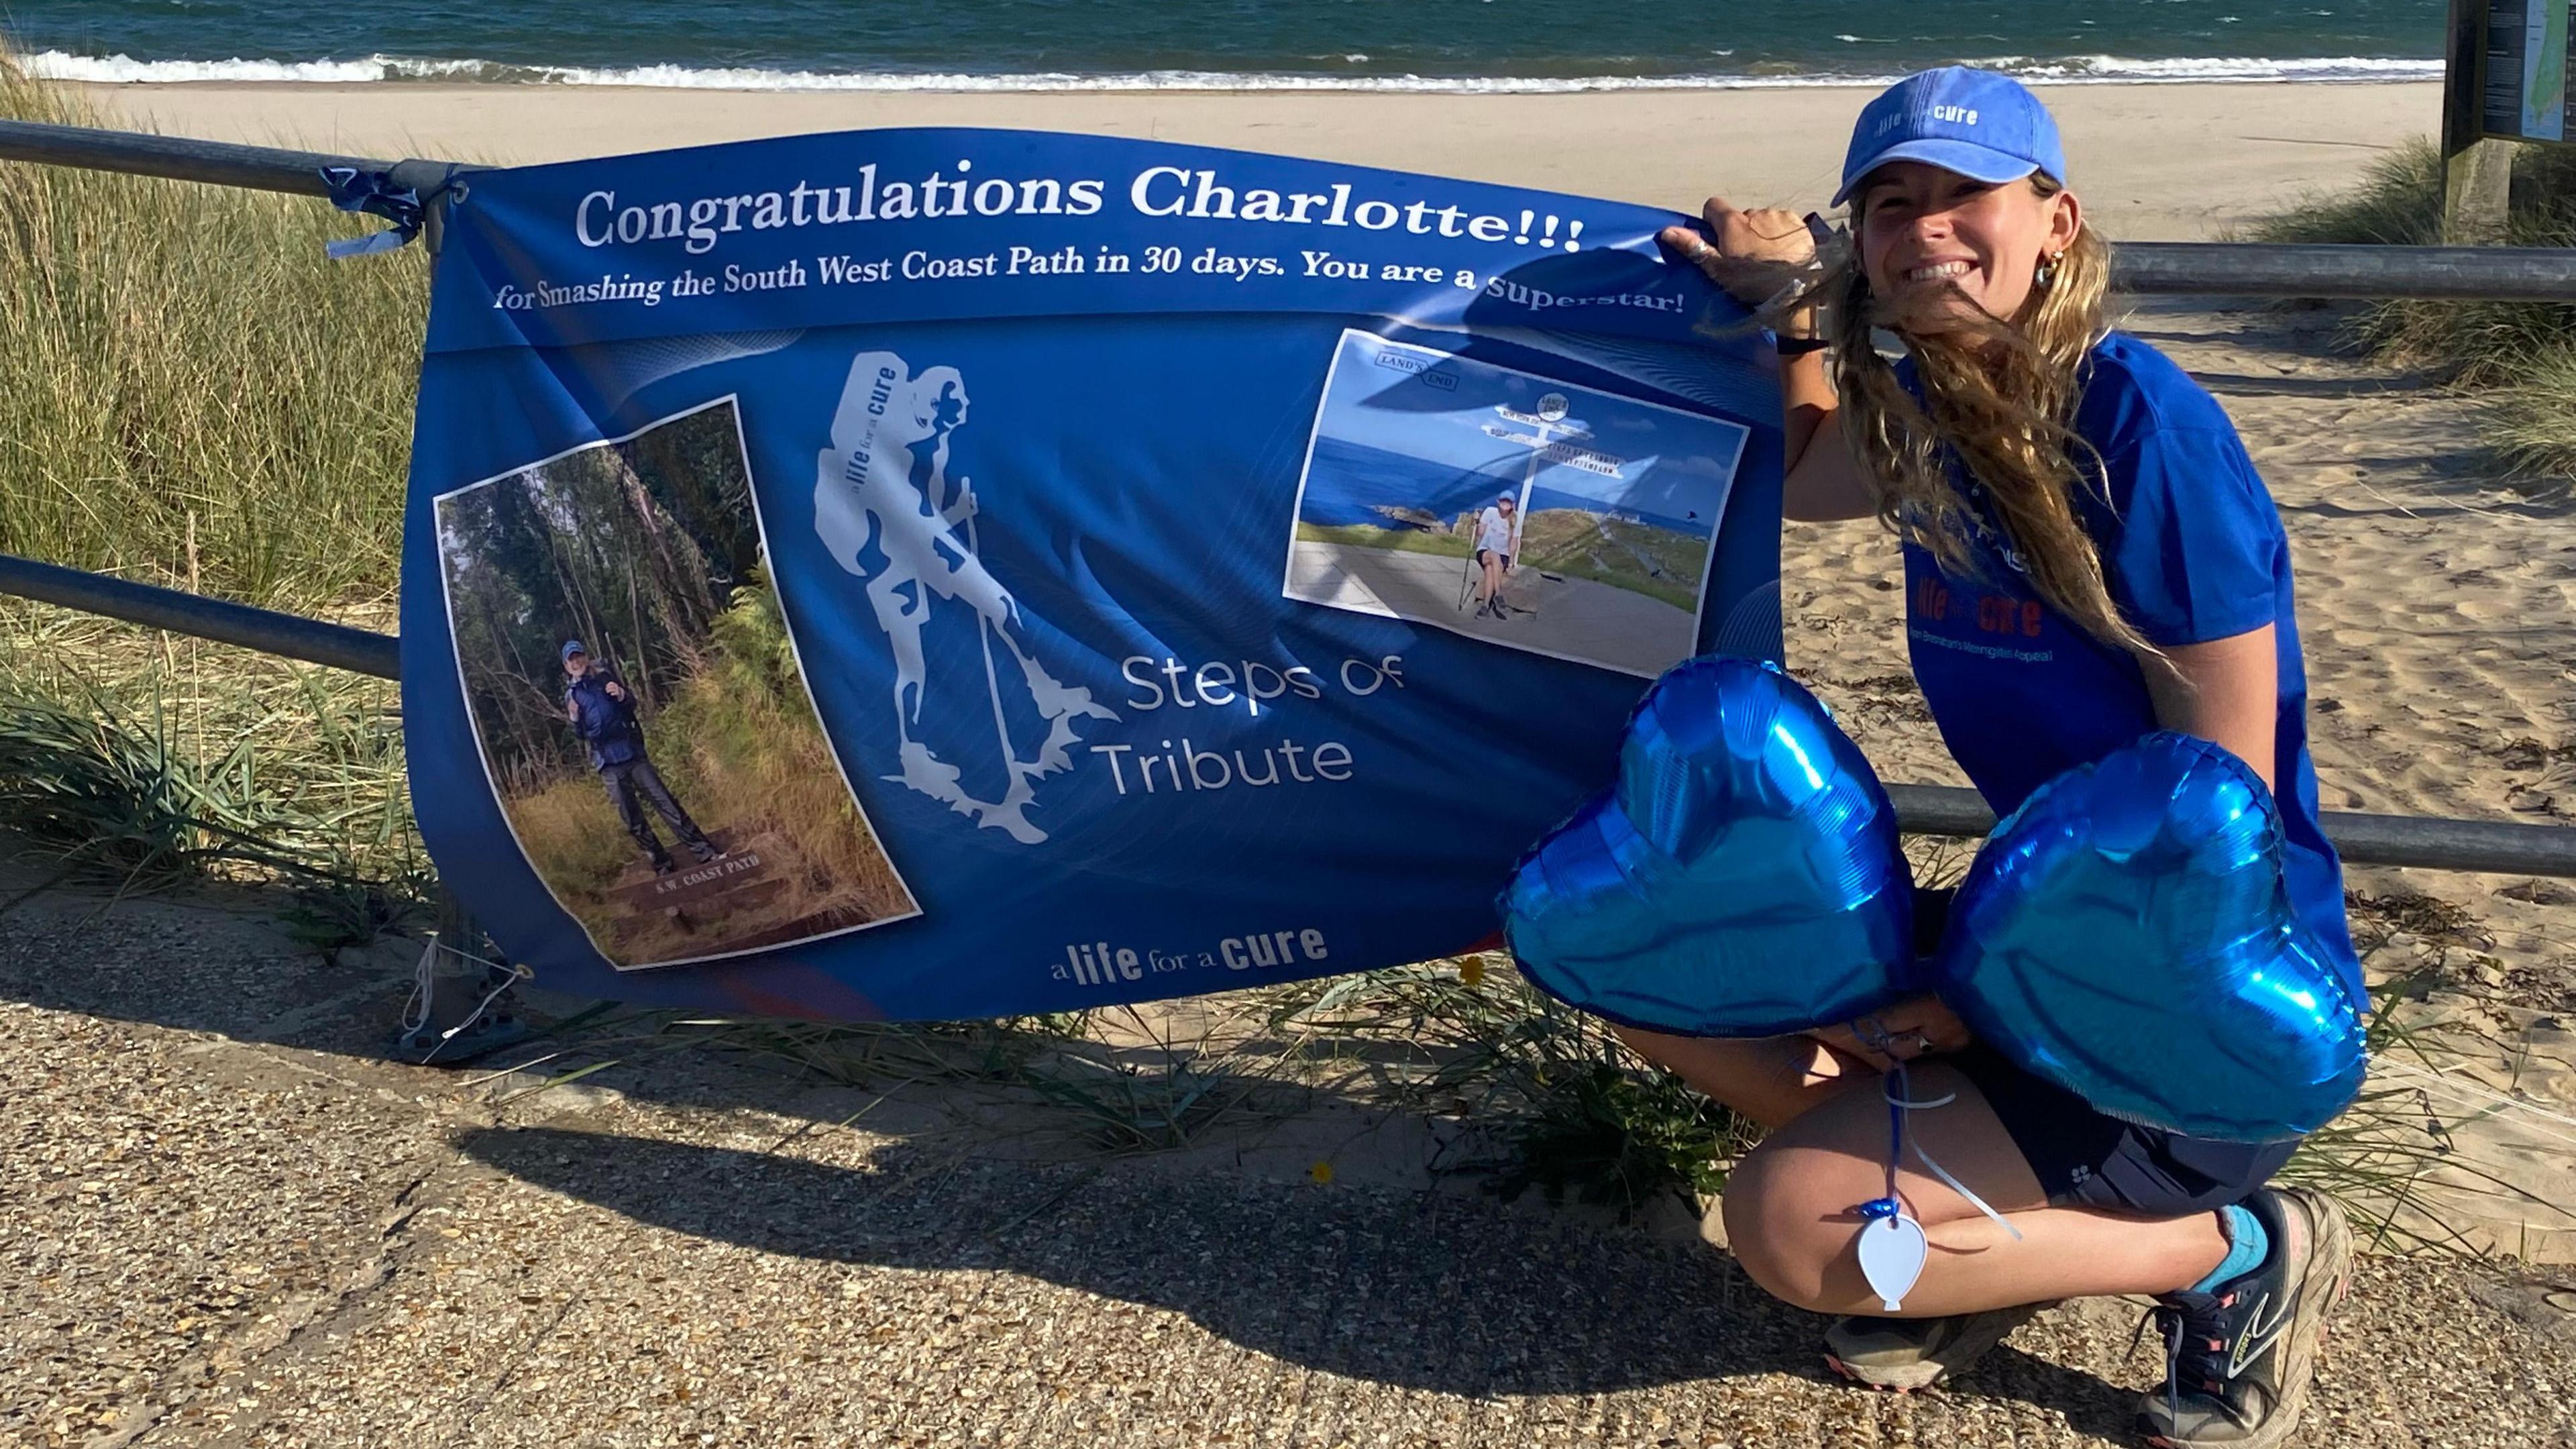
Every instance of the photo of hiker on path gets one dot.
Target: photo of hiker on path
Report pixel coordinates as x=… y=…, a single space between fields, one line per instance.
x=602 y=712
x=639 y=704
x=1509 y=507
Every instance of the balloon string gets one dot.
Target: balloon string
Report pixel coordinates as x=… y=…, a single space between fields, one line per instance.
x=1899 y=1094
x=1896 y=1109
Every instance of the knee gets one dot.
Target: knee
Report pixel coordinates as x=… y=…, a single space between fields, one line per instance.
x=1784 y=1232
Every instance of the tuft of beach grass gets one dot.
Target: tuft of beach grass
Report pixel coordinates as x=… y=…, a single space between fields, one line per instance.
x=2518 y=358
x=196 y=394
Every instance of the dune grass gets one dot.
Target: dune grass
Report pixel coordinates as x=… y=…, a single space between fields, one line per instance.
x=196 y=394
x=148 y=760
x=2518 y=357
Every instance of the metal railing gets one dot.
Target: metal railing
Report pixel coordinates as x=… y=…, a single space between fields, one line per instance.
x=291 y=636
x=2190 y=269
x=217 y=163
x=2508 y=274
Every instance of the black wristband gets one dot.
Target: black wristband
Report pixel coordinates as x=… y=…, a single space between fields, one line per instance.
x=1801 y=346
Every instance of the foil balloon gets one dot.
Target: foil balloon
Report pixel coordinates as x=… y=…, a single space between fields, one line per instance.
x=2127 y=935
x=1742 y=879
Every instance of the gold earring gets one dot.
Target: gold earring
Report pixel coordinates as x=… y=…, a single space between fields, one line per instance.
x=2047 y=271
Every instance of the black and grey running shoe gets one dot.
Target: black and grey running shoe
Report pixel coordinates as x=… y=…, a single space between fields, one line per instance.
x=2238 y=1359
x=1905 y=1354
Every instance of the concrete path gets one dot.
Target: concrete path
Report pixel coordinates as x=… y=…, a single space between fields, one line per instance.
x=221 y=1223
x=1576 y=618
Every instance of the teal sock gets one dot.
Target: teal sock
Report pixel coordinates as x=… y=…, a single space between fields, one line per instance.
x=2247 y=1246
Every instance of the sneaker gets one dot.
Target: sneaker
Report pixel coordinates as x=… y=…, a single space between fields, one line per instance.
x=705 y=851
x=1905 y=1354
x=2238 y=1359
x=664 y=865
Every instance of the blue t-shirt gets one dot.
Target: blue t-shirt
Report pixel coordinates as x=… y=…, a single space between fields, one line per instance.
x=2192 y=551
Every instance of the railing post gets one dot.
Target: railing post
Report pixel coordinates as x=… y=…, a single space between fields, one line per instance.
x=2477 y=174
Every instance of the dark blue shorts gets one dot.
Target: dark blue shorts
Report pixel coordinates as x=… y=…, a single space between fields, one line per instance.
x=2085 y=1159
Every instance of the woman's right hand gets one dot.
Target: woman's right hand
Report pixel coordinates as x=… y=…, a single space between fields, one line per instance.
x=1753 y=251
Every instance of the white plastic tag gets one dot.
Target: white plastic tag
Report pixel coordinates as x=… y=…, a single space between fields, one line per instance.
x=1892 y=1250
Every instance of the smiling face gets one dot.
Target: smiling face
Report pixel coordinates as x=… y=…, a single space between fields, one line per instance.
x=576 y=664
x=1924 y=230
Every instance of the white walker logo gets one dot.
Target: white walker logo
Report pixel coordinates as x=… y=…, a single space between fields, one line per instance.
x=885 y=507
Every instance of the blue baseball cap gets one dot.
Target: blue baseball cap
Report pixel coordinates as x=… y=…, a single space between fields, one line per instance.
x=1975 y=122
x=571 y=648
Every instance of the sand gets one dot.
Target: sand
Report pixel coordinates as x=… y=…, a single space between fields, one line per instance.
x=2154 y=162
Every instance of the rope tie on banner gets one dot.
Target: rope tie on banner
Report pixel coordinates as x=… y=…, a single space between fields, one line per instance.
x=424 y=993
x=374 y=193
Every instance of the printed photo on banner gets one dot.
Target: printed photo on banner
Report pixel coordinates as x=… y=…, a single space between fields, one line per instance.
x=1509 y=507
x=641 y=711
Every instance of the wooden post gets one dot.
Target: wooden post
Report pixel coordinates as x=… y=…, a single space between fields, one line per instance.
x=2477 y=173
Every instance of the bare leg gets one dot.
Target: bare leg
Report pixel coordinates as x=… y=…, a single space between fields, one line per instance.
x=1789 y=1214
x=1771 y=1080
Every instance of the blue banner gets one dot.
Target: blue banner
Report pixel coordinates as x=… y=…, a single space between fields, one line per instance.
x=953 y=573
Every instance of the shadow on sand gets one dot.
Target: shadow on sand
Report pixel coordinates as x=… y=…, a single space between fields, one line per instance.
x=1434 y=1291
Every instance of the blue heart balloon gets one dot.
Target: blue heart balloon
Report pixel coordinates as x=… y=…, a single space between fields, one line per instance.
x=1743 y=879
x=2127 y=935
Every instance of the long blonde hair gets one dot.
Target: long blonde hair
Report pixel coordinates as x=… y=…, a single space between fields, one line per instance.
x=1998 y=396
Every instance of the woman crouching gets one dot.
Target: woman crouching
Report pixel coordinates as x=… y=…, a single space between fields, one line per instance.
x=2090 y=557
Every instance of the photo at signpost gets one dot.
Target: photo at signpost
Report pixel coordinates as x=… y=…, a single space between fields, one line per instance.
x=1510 y=507
x=639 y=705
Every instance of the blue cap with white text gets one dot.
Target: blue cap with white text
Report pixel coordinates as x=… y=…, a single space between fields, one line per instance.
x=1975 y=122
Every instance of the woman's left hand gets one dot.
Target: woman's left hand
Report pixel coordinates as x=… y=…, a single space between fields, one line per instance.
x=1915 y=1027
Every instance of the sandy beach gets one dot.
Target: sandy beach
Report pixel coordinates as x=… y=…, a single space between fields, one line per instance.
x=2154 y=162
x=712 y=1252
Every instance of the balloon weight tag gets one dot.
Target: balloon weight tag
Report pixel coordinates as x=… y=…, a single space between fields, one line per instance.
x=1892 y=1250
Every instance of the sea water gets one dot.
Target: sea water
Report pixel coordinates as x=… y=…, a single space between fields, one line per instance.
x=1390 y=45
